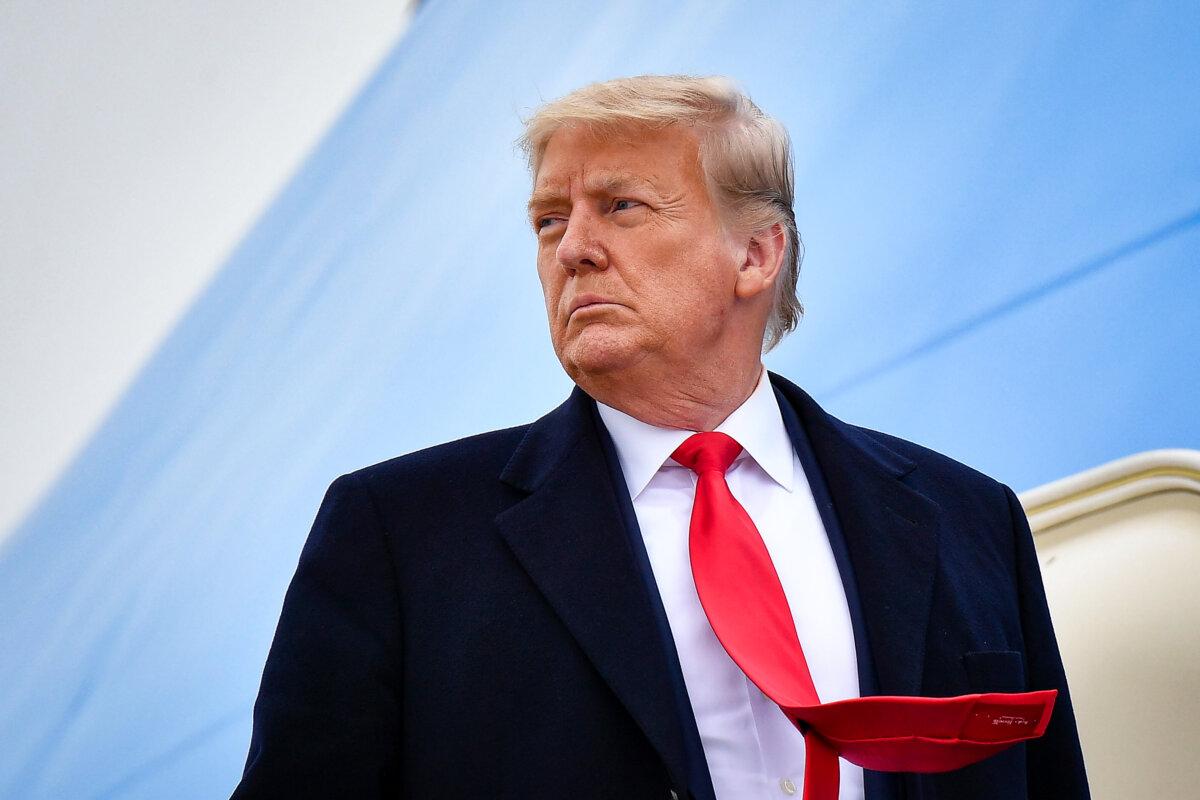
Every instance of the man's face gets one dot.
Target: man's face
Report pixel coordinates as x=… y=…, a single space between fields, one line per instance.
x=633 y=259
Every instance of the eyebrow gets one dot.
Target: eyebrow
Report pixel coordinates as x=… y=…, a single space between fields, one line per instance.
x=543 y=198
x=617 y=182
x=610 y=183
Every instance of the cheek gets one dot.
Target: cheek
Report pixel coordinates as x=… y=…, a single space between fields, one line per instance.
x=691 y=288
x=552 y=281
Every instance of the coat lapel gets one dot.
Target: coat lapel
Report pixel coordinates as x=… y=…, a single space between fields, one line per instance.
x=568 y=535
x=891 y=533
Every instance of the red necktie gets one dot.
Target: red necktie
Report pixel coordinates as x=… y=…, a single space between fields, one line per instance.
x=748 y=611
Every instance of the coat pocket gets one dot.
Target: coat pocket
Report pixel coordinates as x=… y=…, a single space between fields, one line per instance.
x=995 y=671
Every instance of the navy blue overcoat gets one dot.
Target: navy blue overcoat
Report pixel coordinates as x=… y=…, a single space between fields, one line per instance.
x=474 y=620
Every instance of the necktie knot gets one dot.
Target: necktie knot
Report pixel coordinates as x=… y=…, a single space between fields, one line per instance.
x=707 y=451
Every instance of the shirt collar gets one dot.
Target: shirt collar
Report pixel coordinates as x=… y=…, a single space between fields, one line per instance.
x=756 y=424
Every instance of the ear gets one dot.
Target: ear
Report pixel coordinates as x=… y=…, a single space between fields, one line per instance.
x=763 y=261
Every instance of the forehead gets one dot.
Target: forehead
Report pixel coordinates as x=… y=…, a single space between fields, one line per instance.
x=669 y=156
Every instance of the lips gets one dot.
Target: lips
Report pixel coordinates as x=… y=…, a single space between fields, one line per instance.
x=585 y=300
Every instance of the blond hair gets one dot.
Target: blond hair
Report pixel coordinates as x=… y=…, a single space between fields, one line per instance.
x=745 y=155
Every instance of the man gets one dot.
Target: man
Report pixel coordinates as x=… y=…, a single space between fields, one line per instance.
x=538 y=612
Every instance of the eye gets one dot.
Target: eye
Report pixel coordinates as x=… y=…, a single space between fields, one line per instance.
x=544 y=222
x=624 y=204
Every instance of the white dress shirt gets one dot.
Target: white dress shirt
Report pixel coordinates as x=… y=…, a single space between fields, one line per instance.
x=751 y=748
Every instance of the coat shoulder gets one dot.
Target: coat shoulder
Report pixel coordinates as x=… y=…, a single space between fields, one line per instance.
x=926 y=458
x=914 y=463
x=472 y=458
x=936 y=474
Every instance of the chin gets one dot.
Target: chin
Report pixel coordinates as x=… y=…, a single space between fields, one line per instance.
x=597 y=351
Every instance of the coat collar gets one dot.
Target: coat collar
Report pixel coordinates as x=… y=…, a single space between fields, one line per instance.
x=568 y=535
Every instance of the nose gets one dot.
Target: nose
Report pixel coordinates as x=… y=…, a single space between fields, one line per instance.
x=580 y=248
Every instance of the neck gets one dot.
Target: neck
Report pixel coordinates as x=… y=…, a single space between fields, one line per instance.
x=690 y=400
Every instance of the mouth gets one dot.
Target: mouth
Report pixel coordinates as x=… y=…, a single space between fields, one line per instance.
x=588 y=302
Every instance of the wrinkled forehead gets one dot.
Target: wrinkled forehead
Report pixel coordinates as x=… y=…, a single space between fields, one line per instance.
x=616 y=158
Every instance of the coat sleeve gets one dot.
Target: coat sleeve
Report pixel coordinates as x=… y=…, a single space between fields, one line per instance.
x=1054 y=761
x=326 y=722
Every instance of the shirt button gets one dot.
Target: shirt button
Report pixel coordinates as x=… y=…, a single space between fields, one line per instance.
x=788 y=786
